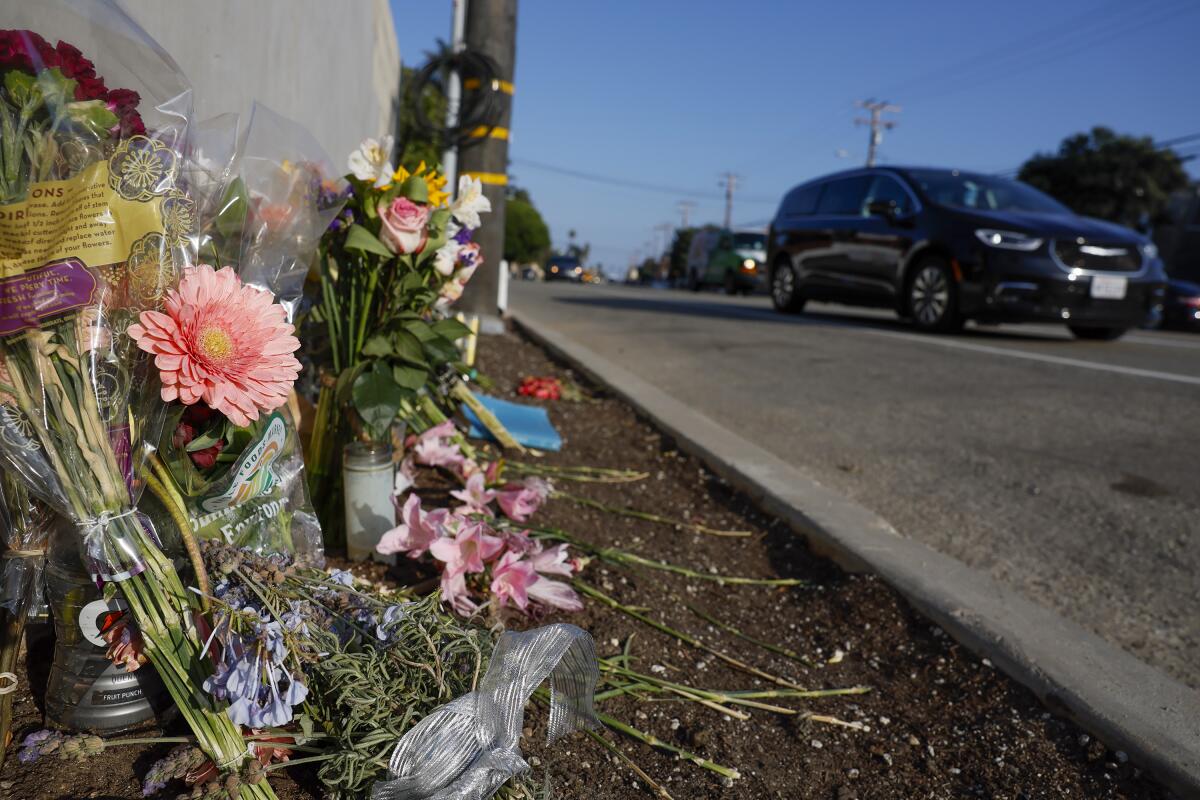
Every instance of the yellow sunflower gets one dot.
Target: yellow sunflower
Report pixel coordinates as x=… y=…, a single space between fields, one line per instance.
x=434 y=181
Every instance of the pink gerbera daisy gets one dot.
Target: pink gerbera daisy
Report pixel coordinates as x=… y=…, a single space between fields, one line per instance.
x=219 y=341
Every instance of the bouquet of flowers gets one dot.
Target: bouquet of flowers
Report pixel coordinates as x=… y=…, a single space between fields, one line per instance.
x=95 y=229
x=234 y=474
x=391 y=265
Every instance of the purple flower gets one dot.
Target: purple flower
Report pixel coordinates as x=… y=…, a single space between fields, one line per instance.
x=35 y=743
x=341 y=577
x=391 y=615
x=463 y=236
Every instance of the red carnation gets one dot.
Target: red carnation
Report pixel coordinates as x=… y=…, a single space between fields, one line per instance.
x=73 y=63
x=14 y=51
x=90 y=89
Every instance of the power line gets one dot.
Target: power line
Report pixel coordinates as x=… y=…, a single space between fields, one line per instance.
x=1162 y=144
x=626 y=183
x=1012 y=47
x=1024 y=63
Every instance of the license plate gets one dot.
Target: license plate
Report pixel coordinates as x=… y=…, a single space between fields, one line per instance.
x=1109 y=287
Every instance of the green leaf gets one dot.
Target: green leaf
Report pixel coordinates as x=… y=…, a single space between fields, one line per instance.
x=377 y=399
x=359 y=238
x=441 y=351
x=409 y=377
x=378 y=346
x=345 y=382
x=408 y=348
x=205 y=440
x=420 y=329
x=232 y=217
x=450 y=329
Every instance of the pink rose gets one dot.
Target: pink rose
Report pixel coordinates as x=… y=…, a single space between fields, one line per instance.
x=404 y=225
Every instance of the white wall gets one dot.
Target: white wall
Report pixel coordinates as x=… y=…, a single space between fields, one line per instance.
x=332 y=66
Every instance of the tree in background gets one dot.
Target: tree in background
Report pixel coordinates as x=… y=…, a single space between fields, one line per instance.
x=526 y=237
x=679 y=252
x=1123 y=179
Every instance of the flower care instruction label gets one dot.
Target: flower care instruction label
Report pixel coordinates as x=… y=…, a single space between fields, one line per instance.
x=105 y=225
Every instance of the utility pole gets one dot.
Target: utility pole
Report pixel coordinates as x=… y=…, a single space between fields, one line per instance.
x=665 y=229
x=491 y=29
x=877 y=123
x=685 y=208
x=729 y=182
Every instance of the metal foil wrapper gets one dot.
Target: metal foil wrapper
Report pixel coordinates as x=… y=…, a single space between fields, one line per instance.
x=466 y=749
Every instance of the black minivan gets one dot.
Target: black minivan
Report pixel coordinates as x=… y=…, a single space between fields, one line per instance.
x=943 y=246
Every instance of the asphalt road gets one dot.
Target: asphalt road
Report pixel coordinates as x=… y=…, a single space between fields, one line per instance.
x=1069 y=469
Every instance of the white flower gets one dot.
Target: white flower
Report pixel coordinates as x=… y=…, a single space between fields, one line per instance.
x=370 y=161
x=446 y=257
x=470 y=202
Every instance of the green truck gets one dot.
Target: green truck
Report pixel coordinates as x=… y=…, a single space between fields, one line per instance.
x=733 y=260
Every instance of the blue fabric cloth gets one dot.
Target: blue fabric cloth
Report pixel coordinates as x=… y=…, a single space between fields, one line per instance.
x=529 y=425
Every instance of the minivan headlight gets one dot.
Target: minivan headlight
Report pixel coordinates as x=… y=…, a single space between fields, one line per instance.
x=1008 y=240
x=1149 y=251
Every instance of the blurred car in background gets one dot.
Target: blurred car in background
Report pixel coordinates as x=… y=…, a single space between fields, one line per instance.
x=733 y=260
x=941 y=246
x=1178 y=238
x=1181 y=308
x=563 y=268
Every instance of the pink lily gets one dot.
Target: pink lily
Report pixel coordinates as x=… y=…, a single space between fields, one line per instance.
x=520 y=501
x=551 y=560
x=475 y=494
x=555 y=594
x=456 y=594
x=414 y=534
x=511 y=579
x=467 y=549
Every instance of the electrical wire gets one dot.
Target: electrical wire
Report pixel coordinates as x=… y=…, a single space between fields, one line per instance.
x=626 y=183
x=479 y=108
x=1014 y=47
x=1023 y=63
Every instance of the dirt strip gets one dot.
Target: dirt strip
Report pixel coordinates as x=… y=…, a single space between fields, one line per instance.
x=937 y=723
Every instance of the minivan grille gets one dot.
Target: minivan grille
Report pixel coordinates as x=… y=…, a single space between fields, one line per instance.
x=1098 y=256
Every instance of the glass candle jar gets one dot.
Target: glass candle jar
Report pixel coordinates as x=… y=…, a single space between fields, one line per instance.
x=368 y=478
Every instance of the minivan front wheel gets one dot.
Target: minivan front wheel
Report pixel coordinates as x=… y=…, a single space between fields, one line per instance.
x=785 y=289
x=933 y=297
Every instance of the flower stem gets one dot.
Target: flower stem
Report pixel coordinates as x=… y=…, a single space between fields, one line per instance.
x=649 y=517
x=783 y=651
x=688 y=639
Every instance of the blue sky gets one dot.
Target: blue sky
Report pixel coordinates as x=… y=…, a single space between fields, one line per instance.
x=674 y=93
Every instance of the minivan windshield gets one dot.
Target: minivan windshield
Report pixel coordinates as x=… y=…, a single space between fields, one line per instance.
x=983 y=192
x=749 y=241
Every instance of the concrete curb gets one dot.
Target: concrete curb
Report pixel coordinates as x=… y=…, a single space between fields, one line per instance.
x=1128 y=705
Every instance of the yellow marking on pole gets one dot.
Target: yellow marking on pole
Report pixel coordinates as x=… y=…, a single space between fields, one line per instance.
x=497 y=85
x=494 y=133
x=492 y=178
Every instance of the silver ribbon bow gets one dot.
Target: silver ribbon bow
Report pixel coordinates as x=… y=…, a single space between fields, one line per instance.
x=466 y=749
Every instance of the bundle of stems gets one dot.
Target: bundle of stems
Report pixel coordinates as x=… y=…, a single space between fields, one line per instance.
x=53 y=380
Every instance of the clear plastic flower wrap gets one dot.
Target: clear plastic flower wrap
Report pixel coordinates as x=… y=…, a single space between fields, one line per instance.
x=245 y=484
x=95 y=228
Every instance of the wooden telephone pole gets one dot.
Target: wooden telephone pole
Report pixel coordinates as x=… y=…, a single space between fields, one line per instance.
x=491 y=28
x=877 y=123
